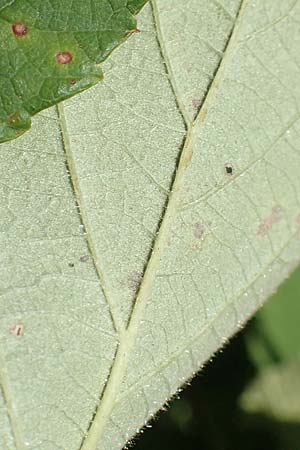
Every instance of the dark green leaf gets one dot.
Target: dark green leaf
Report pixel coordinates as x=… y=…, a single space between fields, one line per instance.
x=52 y=50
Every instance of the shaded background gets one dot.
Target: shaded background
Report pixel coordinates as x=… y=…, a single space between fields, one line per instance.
x=249 y=396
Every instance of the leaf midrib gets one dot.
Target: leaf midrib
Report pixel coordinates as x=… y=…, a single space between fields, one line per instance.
x=220 y=313
x=128 y=336
x=8 y=400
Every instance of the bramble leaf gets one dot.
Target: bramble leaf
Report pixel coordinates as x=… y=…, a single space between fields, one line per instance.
x=52 y=50
x=145 y=220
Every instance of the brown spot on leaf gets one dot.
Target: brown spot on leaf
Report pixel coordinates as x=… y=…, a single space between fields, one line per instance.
x=71 y=264
x=73 y=82
x=14 y=119
x=229 y=169
x=20 y=29
x=203 y=114
x=270 y=221
x=199 y=230
x=137 y=30
x=196 y=103
x=64 y=57
x=134 y=281
x=187 y=159
x=84 y=258
x=17 y=330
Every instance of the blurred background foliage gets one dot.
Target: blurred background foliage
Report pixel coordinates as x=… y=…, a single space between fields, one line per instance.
x=249 y=396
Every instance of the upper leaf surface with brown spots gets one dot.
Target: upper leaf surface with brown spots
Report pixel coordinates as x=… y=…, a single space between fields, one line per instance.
x=51 y=50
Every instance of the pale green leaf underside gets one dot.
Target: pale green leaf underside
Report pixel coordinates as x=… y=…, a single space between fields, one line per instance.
x=201 y=259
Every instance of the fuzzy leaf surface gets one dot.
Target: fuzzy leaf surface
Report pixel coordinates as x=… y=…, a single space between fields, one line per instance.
x=144 y=221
